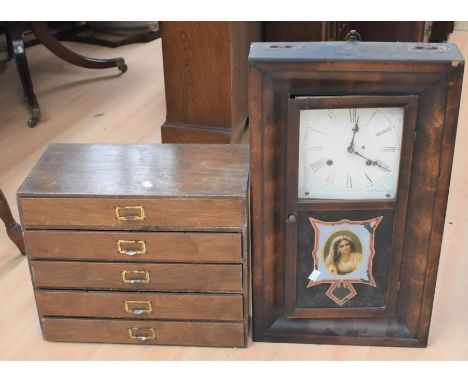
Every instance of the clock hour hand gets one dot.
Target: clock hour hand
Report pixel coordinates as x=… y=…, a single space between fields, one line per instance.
x=371 y=162
x=355 y=130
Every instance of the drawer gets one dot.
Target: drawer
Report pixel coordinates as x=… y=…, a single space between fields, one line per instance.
x=134 y=246
x=175 y=306
x=144 y=332
x=131 y=276
x=131 y=214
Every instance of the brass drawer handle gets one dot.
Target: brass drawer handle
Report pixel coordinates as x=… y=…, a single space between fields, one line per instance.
x=128 y=277
x=122 y=213
x=127 y=247
x=132 y=333
x=137 y=309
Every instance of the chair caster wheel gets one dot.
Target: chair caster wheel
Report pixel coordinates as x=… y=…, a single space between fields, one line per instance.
x=123 y=68
x=33 y=121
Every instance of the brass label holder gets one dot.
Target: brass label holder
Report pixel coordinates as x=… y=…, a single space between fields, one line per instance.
x=132 y=333
x=139 y=213
x=137 y=309
x=131 y=252
x=141 y=280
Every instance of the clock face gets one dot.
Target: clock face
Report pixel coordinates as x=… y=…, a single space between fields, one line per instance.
x=349 y=153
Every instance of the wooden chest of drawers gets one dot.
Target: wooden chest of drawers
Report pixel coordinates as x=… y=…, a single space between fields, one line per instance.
x=143 y=244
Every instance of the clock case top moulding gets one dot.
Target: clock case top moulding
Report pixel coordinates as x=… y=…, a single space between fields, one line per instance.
x=427 y=80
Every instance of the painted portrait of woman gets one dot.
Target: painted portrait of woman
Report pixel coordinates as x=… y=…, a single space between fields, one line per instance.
x=343 y=256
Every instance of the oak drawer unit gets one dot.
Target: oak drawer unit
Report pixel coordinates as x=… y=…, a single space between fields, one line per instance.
x=140 y=244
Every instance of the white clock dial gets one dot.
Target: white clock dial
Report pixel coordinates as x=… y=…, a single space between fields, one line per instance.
x=349 y=153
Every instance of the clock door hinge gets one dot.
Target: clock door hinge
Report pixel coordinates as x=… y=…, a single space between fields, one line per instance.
x=415 y=134
x=398 y=286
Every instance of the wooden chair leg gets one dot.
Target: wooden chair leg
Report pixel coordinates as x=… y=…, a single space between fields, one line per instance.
x=43 y=34
x=14 y=33
x=13 y=229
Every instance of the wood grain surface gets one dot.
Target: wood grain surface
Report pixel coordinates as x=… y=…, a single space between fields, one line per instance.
x=183 y=133
x=100 y=213
x=159 y=246
x=165 y=333
x=97 y=170
x=175 y=306
x=205 y=77
x=161 y=277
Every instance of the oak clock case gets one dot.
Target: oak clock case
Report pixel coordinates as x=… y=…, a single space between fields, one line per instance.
x=351 y=152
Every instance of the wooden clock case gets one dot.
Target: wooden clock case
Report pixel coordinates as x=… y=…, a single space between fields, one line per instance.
x=426 y=80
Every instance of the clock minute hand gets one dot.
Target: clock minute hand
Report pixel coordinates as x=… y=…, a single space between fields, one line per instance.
x=355 y=130
x=371 y=162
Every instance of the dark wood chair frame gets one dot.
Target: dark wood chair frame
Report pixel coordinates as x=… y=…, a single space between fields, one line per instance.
x=15 y=44
x=13 y=229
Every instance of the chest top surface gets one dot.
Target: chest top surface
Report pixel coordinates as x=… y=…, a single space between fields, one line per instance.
x=151 y=170
x=350 y=51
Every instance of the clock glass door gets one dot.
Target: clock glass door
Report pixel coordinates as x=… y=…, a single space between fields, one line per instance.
x=349 y=161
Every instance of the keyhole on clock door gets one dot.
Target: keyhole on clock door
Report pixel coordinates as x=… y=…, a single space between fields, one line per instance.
x=291 y=218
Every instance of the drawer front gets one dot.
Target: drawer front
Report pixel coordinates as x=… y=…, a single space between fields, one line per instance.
x=131 y=214
x=131 y=276
x=134 y=246
x=144 y=332
x=173 y=306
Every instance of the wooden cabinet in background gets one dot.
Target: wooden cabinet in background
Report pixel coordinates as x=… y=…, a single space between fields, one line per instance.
x=205 y=75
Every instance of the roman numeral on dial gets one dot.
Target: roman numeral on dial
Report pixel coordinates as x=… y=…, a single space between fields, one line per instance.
x=353 y=115
x=331 y=177
x=389 y=149
x=371 y=117
x=349 y=181
x=317 y=165
x=319 y=131
x=316 y=148
x=383 y=131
